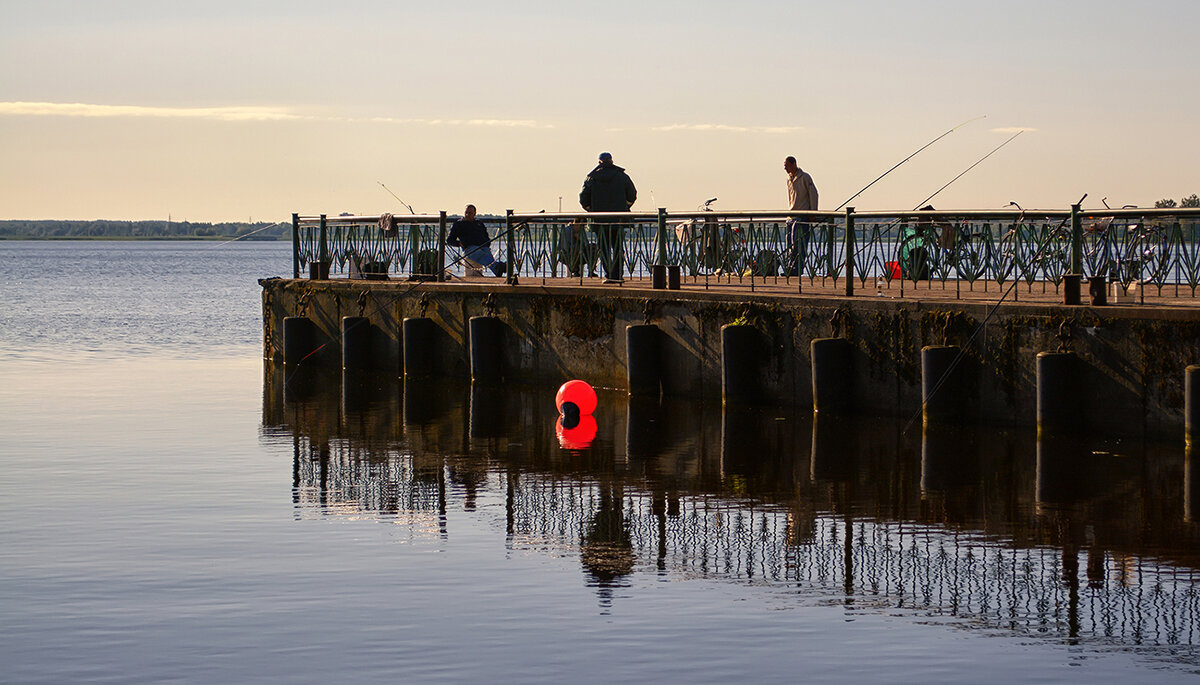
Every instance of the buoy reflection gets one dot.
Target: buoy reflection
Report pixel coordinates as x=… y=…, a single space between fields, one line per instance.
x=575 y=433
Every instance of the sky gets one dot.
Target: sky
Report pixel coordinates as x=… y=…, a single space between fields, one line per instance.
x=244 y=110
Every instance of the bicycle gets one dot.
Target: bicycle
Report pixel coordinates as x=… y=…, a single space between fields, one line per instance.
x=1027 y=251
x=709 y=245
x=973 y=253
x=1126 y=251
x=925 y=248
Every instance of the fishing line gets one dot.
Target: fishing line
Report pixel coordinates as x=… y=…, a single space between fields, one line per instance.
x=963 y=350
x=922 y=148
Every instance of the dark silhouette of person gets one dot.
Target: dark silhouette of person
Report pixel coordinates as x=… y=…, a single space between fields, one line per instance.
x=608 y=188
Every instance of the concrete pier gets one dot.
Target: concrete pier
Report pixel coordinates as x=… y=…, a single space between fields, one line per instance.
x=1133 y=357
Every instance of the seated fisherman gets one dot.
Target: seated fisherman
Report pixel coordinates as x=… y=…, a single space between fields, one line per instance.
x=471 y=235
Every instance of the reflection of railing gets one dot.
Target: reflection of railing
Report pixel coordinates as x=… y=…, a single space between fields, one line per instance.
x=337 y=478
x=1062 y=592
x=1058 y=544
x=1152 y=247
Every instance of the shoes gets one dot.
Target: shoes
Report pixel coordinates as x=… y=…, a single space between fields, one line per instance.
x=610 y=281
x=499 y=268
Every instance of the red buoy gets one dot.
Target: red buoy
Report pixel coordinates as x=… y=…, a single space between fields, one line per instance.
x=579 y=393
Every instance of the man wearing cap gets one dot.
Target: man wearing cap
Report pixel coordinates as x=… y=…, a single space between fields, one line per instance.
x=609 y=189
x=802 y=196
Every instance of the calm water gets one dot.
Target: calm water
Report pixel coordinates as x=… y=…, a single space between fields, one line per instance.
x=174 y=511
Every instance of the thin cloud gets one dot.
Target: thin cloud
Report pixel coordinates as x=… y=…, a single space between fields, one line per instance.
x=233 y=113
x=1012 y=129
x=503 y=123
x=79 y=109
x=727 y=128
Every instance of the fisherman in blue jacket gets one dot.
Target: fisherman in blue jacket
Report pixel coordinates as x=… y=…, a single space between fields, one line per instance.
x=472 y=236
x=609 y=189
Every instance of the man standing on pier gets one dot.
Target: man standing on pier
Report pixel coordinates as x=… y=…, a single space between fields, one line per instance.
x=472 y=236
x=609 y=189
x=802 y=196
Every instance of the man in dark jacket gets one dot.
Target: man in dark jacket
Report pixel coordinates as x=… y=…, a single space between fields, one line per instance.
x=472 y=236
x=609 y=189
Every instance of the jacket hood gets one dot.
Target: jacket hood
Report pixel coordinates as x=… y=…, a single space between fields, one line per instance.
x=606 y=172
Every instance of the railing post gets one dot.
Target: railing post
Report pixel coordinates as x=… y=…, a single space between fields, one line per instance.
x=849 y=252
x=510 y=276
x=1076 y=241
x=1073 y=279
x=414 y=247
x=441 y=273
x=661 y=259
x=324 y=251
x=556 y=254
x=832 y=240
x=295 y=246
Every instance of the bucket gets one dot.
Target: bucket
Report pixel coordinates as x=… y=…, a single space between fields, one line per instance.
x=893 y=269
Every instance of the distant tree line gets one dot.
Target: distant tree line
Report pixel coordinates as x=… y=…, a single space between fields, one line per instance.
x=176 y=230
x=1166 y=203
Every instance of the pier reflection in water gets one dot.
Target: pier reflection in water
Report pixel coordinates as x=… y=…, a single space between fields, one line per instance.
x=1092 y=541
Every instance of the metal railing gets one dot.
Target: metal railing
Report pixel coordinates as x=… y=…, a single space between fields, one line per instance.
x=1154 y=248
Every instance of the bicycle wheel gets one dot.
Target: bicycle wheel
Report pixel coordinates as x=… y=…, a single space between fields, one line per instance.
x=1053 y=256
x=1152 y=252
x=1009 y=260
x=970 y=256
x=916 y=254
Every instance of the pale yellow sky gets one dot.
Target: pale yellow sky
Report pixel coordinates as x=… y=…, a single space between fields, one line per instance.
x=238 y=110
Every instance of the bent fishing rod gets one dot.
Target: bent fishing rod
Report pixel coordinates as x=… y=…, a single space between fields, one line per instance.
x=898 y=164
x=410 y=209
x=974 y=334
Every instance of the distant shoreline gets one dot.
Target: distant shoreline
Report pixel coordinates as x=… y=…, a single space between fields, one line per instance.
x=107 y=229
x=141 y=238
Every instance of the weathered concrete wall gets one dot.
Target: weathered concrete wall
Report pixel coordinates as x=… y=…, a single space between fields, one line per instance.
x=1133 y=357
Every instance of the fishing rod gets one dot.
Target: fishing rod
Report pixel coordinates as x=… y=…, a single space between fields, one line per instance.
x=974 y=334
x=922 y=203
x=964 y=172
x=247 y=235
x=921 y=149
x=410 y=209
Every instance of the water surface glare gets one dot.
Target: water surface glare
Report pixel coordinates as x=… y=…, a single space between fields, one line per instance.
x=173 y=512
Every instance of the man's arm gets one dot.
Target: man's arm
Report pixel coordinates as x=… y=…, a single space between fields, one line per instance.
x=812 y=194
x=455 y=233
x=630 y=192
x=585 y=195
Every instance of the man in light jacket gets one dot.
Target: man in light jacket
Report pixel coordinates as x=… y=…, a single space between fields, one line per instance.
x=802 y=196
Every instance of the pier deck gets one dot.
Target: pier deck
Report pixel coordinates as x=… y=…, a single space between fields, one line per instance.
x=1169 y=297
